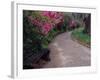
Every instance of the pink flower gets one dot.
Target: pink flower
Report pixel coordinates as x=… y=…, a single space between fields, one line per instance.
x=30 y=18
x=54 y=18
x=46 y=28
x=45 y=13
x=50 y=14
x=72 y=23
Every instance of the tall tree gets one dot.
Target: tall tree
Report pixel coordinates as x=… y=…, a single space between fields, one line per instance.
x=87 y=21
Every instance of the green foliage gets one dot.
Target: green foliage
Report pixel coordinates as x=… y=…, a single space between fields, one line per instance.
x=81 y=36
x=32 y=39
x=36 y=14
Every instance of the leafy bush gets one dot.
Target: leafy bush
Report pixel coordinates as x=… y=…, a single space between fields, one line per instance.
x=39 y=28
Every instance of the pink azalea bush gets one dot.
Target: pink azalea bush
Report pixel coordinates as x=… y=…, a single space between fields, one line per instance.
x=46 y=20
x=46 y=28
x=72 y=23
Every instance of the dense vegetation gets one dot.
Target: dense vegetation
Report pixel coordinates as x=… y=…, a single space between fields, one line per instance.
x=82 y=37
x=40 y=27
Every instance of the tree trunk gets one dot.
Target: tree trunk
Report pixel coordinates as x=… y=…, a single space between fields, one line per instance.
x=87 y=21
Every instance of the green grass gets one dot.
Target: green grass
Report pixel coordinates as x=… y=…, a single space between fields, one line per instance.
x=82 y=37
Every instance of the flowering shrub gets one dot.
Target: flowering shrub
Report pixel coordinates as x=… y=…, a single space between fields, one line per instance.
x=46 y=28
x=45 y=21
x=72 y=23
x=40 y=27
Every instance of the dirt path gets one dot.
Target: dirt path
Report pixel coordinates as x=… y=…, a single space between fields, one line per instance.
x=67 y=53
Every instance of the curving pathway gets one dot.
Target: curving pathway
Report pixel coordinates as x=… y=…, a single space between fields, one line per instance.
x=67 y=53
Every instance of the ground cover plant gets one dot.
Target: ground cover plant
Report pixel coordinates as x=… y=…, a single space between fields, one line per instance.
x=81 y=36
